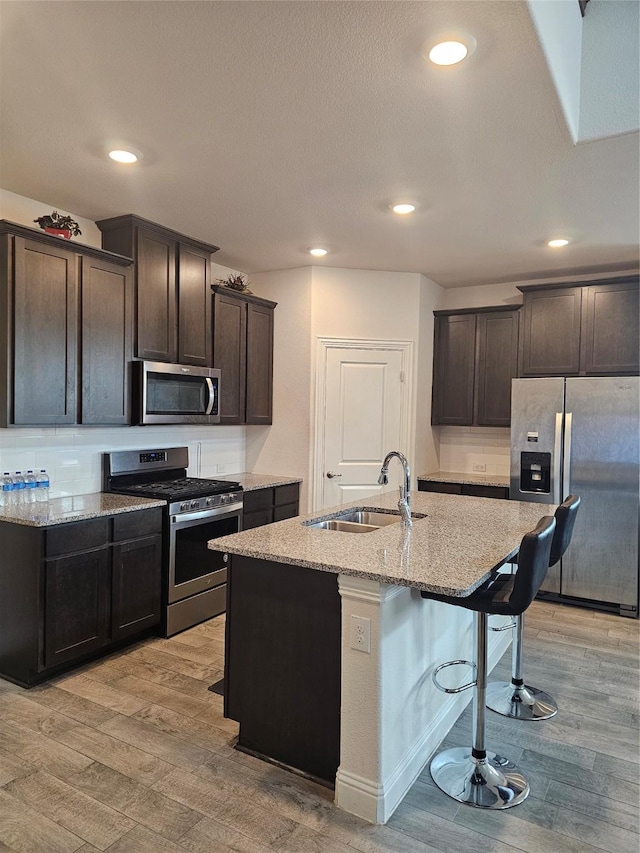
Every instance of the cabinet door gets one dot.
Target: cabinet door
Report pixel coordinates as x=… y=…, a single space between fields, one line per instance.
x=106 y=342
x=259 y=364
x=453 y=369
x=45 y=305
x=229 y=354
x=551 y=332
x=497 y=365
x=156 y=297
x=194 y=307
x=610 y=329
x=136 y=580
x=76 y=612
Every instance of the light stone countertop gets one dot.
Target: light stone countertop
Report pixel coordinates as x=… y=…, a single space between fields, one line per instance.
x=468 y=479
x=451 y=551
x=74 y=508
x=252 y=482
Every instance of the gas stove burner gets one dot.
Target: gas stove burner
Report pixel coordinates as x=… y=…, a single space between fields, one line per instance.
x=182 y=488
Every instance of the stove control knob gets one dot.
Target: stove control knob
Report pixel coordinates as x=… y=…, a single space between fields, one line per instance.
x=211 y=501
x=184 y=506
x=195 y=504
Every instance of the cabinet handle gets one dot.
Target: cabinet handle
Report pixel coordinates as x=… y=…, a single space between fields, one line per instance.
x=331 y=475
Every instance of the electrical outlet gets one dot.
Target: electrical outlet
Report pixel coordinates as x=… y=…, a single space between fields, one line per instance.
x=479 y=467
x=361 y=634
x=221 y=469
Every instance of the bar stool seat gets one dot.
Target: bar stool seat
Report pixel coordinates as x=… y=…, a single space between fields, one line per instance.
x=476 y=776
x=515 y=698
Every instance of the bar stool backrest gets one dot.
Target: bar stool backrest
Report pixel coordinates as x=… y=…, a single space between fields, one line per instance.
x=565 y=519
x=533 y=564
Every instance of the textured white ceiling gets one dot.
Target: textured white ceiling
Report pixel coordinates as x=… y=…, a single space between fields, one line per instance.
x=269 y=126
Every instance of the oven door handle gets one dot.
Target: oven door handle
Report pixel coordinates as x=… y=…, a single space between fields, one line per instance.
x=188 y=519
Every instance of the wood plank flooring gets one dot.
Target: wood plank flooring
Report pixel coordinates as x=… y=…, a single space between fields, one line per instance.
x=132 y=755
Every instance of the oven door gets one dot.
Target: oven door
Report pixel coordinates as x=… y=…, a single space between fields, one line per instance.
x=193 y=567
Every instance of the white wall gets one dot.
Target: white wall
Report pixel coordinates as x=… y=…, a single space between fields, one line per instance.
x=18 y=208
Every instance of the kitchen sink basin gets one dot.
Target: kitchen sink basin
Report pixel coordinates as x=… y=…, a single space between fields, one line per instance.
x=359 y=521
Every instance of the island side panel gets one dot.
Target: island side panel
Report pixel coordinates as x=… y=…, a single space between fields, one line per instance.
x=282 y=668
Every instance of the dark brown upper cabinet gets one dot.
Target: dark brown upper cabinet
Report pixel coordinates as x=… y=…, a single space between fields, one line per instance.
x=581 y=329
x=243 y=350
x=106 y=348
x=65 y=336
x=475 y=358
x=172 y=311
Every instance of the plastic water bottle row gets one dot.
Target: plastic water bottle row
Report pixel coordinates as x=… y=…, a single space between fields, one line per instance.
x=20 y=489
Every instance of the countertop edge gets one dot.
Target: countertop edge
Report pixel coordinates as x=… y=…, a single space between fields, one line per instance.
x=54 y=511
x=464 y=479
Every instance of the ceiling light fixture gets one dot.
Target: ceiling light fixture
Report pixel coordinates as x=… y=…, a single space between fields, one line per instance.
x=318 y=252
x=122 y=156
x=449 y=48
x=402 y=209
x=557 y=243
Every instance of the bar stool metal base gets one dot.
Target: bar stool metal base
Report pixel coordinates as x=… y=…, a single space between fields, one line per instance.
x=488 y=783
x=520 y=702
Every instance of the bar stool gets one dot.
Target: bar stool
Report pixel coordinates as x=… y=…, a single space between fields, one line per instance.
x=515 y=698
x=476 y=776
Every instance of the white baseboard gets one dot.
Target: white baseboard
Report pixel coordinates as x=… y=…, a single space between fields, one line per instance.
x=377 y=801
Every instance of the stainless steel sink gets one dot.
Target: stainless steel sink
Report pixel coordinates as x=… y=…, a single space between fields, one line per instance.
x=359 y=521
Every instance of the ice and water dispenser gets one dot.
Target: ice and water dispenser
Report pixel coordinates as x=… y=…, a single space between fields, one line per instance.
x=535 y=472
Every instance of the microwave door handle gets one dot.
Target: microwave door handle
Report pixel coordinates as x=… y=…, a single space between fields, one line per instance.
x=212 y=396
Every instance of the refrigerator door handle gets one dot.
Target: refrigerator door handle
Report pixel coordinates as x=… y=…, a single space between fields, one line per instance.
x=566 y=474
x=557 y=456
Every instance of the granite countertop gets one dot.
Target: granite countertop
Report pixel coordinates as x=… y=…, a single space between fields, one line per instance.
x=469 y=479
x=252 y=482
x=450 y=551
x=74 y=508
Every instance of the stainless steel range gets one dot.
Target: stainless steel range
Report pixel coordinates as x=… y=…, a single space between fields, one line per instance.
x=194 y=578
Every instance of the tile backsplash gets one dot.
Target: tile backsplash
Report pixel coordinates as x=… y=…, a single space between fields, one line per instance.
x=72 y=456
x=462 y=448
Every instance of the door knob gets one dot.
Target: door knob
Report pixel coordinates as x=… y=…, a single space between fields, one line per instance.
x=331 y=475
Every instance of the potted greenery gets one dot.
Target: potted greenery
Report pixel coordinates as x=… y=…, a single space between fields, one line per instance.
x=61 y=226
x=235 y=282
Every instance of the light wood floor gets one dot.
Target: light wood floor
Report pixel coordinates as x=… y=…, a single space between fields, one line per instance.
x=132 y=754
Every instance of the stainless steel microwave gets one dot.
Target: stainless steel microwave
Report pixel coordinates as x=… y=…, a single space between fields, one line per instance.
x=175 y=393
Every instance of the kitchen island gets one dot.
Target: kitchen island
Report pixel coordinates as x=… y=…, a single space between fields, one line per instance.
x=330 y=647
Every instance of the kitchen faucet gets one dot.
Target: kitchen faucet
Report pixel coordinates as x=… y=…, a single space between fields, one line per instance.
x=404 y=504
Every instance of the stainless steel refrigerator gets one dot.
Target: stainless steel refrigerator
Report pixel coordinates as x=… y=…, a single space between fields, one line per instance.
x=581 y=436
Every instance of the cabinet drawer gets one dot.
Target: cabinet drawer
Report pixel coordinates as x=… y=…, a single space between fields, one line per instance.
x=286 y=494
x=130 y=525
x=441 y=488
x=257 y=519
x=258 y=499
x=285 y=511
x=76 y=536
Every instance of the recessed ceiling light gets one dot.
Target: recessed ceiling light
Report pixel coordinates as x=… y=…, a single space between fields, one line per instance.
x=557 y=243
x=403 y=209
x=448 y=52
x=449 y=48
x=122 y=156
x=318 y=252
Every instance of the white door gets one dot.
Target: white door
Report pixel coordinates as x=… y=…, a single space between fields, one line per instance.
x=362 y=416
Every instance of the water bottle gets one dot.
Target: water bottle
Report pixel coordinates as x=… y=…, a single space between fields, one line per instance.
x=30 y=487
x=18 y=488
x=42 y=486
x=6 y=489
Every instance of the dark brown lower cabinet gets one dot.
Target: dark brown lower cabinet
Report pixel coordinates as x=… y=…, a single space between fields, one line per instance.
x=135 y=587
x=264 y=506
x=282 y=663
x=71 y=591
x=76 y=605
